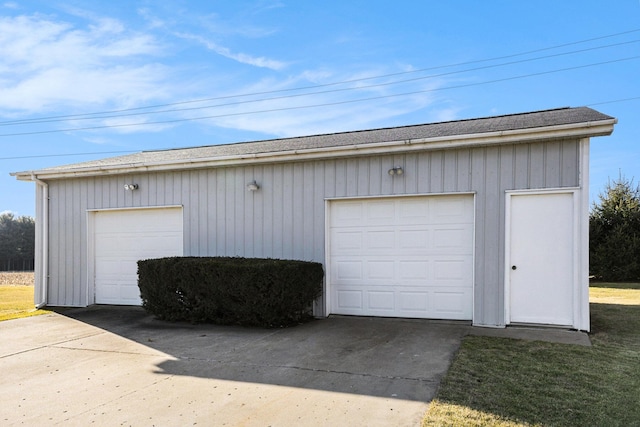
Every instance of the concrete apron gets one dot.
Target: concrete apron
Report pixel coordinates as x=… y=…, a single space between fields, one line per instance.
x=119 y=366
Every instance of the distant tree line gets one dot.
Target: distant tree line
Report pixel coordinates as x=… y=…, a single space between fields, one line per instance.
x=614 y=233
x=17 y=242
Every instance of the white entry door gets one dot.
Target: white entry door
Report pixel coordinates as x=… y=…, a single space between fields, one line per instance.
x=402 y=257
x=121 y=239
x=541 y=261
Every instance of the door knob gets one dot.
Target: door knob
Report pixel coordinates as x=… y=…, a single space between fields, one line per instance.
x=513 y=267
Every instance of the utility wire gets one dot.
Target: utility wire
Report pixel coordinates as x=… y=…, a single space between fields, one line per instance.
x=39 y=156
x=85 y=115
x=613 y=101
x=138 y=151
x=320 y=105
x=76 y=118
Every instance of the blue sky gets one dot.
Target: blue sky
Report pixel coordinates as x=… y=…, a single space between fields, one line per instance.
x=188 y=73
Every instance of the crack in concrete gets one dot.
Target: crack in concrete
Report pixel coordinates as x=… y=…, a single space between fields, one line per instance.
x=302 y=368
x=55 y=344
x=98 y=350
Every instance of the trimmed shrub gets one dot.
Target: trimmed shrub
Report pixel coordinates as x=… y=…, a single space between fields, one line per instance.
x=240 y=291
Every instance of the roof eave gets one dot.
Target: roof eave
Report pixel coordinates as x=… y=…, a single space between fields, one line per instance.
x=574 y=130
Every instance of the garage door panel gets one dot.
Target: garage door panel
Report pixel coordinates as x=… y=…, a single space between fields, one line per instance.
x=414 y=270
x=416 y=303
x=414 y=239
x=349 y=301
x=413 y=211
x=451 y=210
x=345 y=241
x=459 y=238
x=379 y=212
x=121 y=239
x=380 y=239
x=410 y=258
x=451 y=305
x=381 y=301
x=380 y=269
x=452 y=270
x=348 y=270
x=348 y=213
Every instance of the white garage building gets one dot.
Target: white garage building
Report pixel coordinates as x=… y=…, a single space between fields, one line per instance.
x=484 y=220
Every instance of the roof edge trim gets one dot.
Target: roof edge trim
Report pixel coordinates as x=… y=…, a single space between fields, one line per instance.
x=573 y=130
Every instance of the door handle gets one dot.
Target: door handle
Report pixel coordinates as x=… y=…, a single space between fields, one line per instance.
x=513 y=267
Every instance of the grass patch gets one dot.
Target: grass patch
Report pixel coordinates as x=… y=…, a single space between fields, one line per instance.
x=16 y=296
x=504 y=382
x=615 y=293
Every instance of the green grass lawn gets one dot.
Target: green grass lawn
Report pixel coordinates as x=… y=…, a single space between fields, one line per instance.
x=16 y=296
x=504 y=382
x=16 y=302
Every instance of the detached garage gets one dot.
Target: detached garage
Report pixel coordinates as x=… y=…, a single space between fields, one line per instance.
x=483 y=220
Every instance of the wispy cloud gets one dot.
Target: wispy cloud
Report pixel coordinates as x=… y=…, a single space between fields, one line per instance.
x=227 y=53
x=48 y=64
x=152 y=20
x=96 y=63
x=325 y=112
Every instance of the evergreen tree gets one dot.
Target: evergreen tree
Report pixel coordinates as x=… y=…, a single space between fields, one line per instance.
x=17 y=242
x=614 y=228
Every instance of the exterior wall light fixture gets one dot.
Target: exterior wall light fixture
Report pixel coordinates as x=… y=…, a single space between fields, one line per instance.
x=253 y=186
x=396 y=170
x=131 y=187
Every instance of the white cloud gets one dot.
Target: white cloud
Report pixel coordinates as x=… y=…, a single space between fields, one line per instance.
x=152 y=20
x=446 y=114
x=49 y=64
x=324 y=112
x=239 y=57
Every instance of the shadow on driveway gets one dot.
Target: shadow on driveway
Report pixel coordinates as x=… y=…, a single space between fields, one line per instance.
x=380 y=357
x=111 y=365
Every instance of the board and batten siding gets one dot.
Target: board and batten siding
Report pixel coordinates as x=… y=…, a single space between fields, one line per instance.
x=286 y=217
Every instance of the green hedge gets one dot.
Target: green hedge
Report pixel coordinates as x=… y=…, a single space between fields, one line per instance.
x=241 y=291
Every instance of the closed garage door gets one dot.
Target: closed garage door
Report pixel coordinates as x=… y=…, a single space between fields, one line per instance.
x=121 y=239
x=402 y=257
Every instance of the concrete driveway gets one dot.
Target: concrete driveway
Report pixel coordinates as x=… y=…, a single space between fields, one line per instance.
x=119 y=366
x=113 y=366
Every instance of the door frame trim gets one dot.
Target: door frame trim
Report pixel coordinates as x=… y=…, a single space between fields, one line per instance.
x=578 y=243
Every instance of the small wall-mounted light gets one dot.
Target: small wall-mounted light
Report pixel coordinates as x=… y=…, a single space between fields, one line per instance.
x=253 y=186
x=131 y=187
x=396 y=170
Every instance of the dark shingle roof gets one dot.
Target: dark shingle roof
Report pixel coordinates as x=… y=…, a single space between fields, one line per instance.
x=457 y=128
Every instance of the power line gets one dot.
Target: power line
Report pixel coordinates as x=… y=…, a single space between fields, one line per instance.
x=85 y=115
x=614 y=101
x=320 y=105
x=137 y=151
x=42 y=156
x=95 y=117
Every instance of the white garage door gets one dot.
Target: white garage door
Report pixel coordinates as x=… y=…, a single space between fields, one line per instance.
x=402 y=257
x=121 y=239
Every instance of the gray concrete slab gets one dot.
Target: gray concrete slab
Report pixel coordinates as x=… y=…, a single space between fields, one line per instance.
x=120 y=366
x=107 y=365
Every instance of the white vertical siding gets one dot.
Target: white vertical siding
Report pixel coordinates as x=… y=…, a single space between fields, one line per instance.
x=285 y=218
